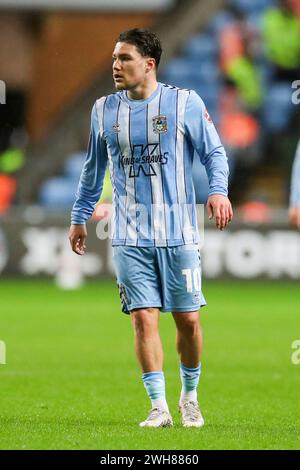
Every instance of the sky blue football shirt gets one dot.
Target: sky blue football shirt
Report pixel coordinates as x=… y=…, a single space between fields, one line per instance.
x=149 y=146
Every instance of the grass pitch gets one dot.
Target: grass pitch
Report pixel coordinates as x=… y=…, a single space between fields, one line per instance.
x=72 y=381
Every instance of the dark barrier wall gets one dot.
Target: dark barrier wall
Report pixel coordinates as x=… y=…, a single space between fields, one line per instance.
x=33 y=244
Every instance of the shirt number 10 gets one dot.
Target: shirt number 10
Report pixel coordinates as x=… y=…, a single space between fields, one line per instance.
x=192 y=278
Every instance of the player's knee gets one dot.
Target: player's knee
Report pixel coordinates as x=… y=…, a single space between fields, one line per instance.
x=144 y=322
x=189 y=324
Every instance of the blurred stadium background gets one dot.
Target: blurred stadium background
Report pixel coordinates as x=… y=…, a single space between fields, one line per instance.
x=243 y=58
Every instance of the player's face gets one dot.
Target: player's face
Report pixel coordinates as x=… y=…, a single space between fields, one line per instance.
x=129 y=66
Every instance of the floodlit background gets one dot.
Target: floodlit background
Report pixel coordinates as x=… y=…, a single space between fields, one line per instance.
x=68 y=375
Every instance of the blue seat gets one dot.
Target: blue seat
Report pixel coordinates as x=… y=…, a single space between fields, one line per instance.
x=179 y=67
x=188 y=74
x=208 y=72
x=201 y=47
x=219 y=21
x=266 y=71
x=58 y=193
x=250 y=6
x=277 y=107
x=73 y=164
x=209 y=93
x=254 y=20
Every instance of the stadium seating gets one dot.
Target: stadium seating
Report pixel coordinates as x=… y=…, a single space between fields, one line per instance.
x=199 y=67
x=58 y=193
x=219 y=21
x=278 y=101
x=73 y=165
x=201 y=47
x=250 y=6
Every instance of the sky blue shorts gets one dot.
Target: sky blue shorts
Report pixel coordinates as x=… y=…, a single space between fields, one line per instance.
x=168 y=278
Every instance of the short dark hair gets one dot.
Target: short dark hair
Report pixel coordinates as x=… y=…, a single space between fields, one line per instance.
x=146 y=42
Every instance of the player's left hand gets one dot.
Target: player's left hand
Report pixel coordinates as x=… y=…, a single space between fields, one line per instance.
x=219 y=207
x=294 y=215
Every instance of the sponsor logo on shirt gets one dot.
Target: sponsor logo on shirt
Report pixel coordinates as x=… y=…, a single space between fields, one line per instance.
x=144 y=159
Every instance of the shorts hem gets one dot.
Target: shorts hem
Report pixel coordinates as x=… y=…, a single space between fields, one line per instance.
x=143 y=305
x=183 y=309
x=192 y=308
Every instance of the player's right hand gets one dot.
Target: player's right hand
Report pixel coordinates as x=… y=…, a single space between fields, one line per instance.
x=294 y=215
x=77 y=237
x=219 y=207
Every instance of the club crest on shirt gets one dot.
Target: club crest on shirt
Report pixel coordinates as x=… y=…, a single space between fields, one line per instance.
x=116 y=127
x=160 y=125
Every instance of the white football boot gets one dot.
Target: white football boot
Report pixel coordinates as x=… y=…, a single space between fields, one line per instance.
x=158 y=418
x=191 y=416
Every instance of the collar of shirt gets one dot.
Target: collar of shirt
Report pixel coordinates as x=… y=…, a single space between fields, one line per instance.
x=133 y=104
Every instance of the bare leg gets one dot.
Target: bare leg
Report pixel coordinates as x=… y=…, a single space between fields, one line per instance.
x=189 y=338
x=149 y=353
x=148 y=346
x=189 y=347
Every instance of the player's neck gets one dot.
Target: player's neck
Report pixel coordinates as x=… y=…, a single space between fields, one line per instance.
x=143 y=91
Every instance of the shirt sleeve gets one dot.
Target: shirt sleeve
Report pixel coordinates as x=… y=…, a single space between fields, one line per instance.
x=92 y=175
x=207 y=144
x=295 y=182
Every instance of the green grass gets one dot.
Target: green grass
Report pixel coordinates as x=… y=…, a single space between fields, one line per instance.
x=72 y=381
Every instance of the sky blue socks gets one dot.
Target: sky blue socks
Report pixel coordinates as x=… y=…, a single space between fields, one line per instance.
x=189 y=379
x=154 y=383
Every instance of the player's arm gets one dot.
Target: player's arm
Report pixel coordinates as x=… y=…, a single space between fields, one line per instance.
x=294 y=212
x=294 y=215
x=89 y=187
x=212 y=154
